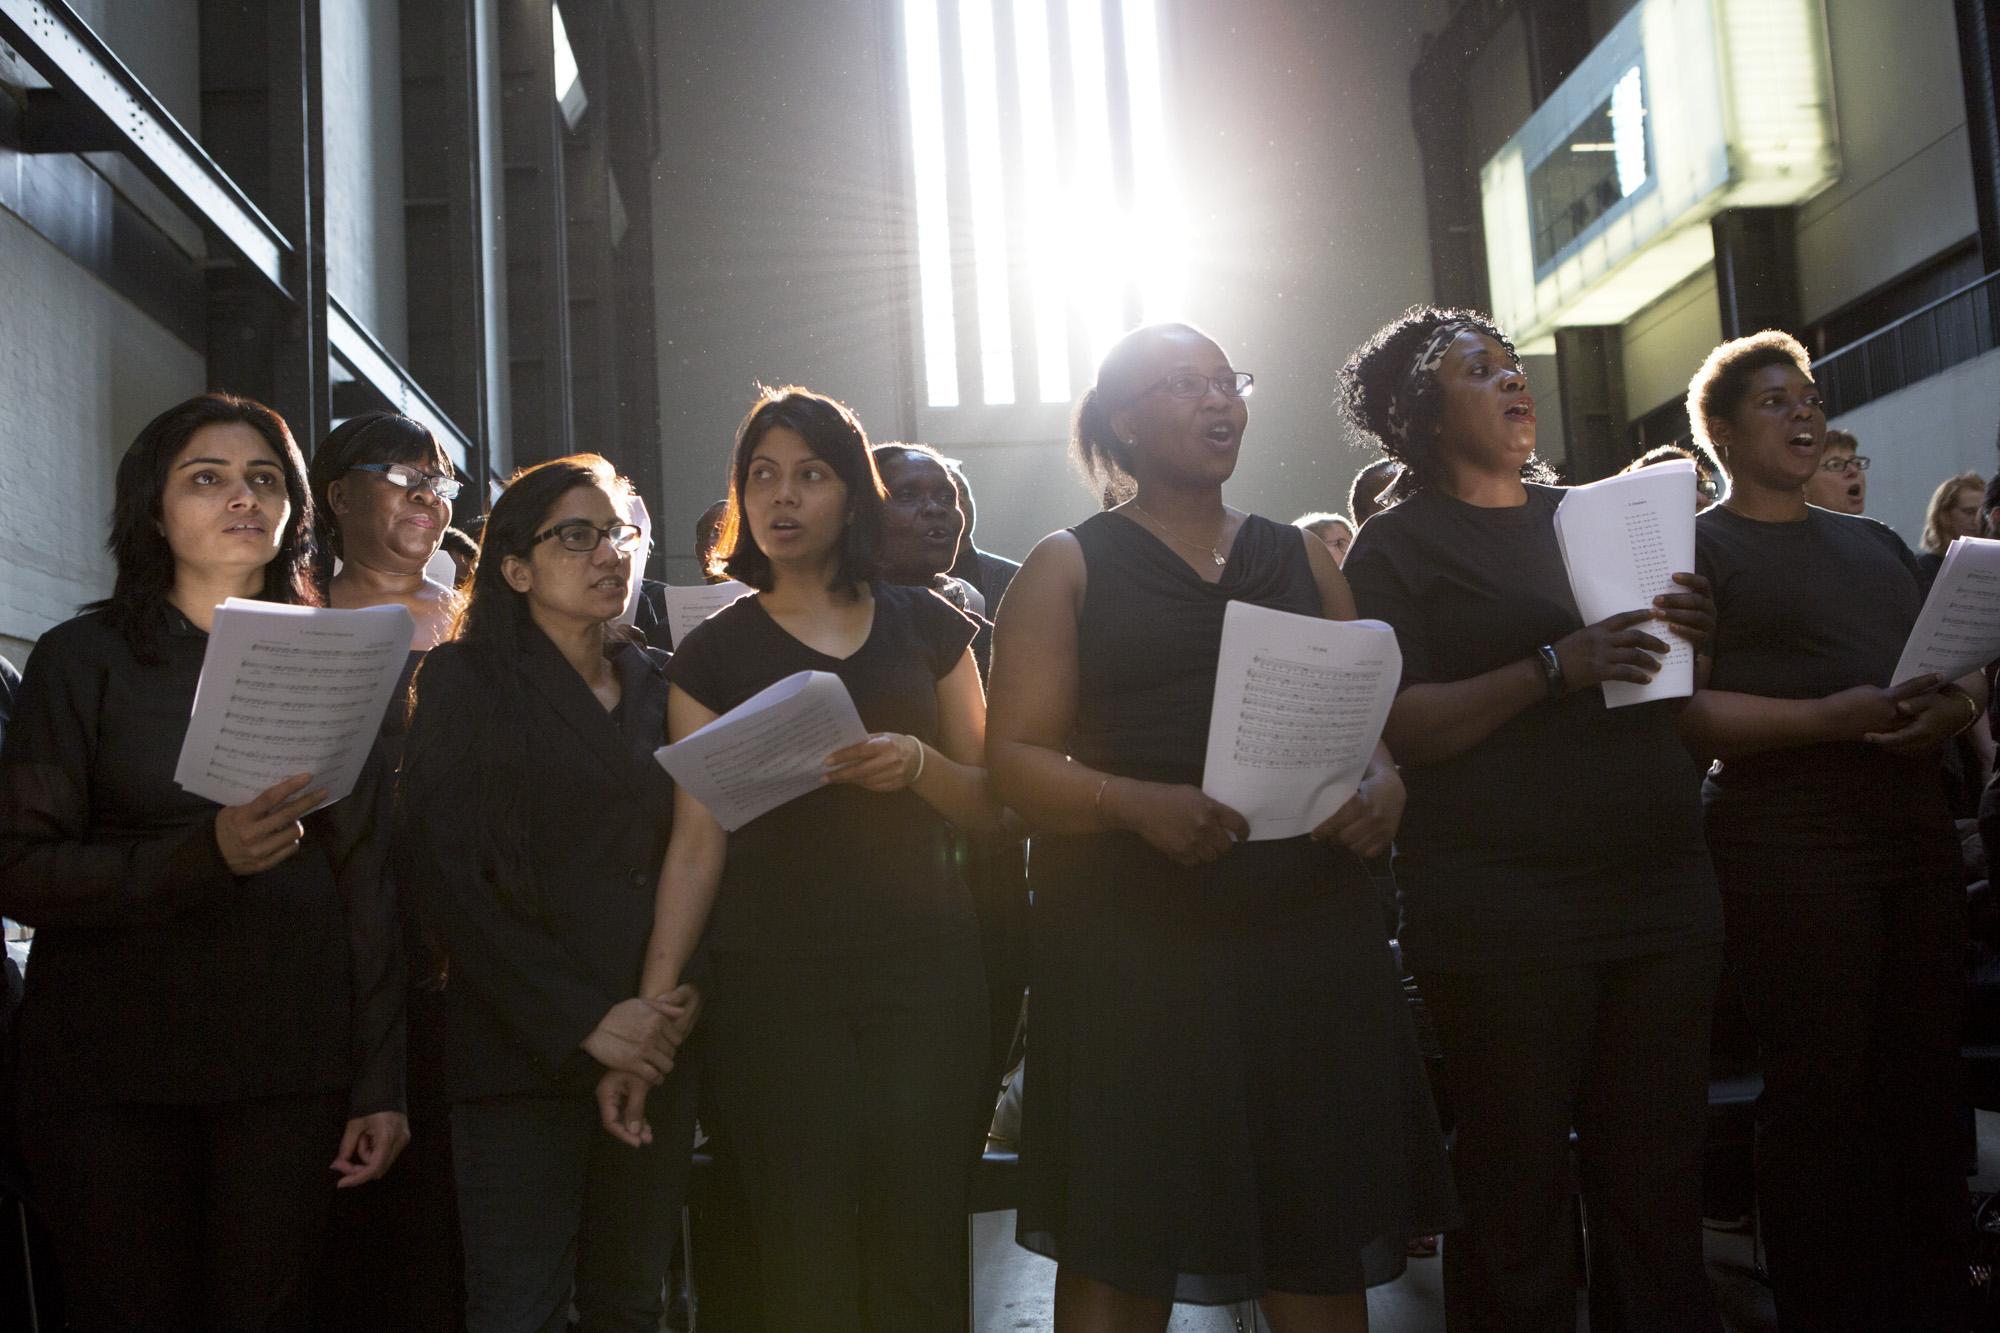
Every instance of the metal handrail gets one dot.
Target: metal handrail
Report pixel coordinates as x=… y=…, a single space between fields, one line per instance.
x=1949 y=331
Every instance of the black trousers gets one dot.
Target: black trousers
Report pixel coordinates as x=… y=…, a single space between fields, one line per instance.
x=1855 y=992
x=552 y=1208
x=392 y=1257
x=1617 y=1051
x=849 y=1088
x=199 y=1218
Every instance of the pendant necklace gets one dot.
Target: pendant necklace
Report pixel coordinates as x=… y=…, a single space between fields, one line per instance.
x=1218 y=557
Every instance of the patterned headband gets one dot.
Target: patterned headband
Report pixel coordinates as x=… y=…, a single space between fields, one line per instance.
x=1422 y=374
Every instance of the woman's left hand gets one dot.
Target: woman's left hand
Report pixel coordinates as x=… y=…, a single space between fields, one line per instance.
x=1690 y=614
x=886 y=761
x=1929 y=720
x=621 y=1108
x=370 y=1146
x=1366 y=823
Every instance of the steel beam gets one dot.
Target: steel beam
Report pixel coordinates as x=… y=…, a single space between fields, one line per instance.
x=360 y=352
x=64 y=50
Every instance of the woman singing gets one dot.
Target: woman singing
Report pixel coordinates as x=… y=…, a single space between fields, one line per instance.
x=846 y=1034
x=534 y=818
x=1223 y=1098
x=215 y=992
x=1841 y=879
x=1559 y=910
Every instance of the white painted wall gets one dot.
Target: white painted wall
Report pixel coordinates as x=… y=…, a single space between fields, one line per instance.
x=81 y=370
x=1918 y=436
x=1664 y=343
x=1905 y=192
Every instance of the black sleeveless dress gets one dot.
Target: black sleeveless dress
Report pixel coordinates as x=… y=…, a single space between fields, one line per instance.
x=1223 y=1093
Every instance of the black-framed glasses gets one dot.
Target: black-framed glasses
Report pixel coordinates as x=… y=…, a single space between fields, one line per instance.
x=1859 y=462
x=583 y=536
x=413 y=479
x=1189 y=384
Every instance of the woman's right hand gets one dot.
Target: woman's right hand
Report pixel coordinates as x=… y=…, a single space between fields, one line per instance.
x=1863 y=710
x=1181 y=821
x=265 y=830
x=1612 y=649
x=638 y=1037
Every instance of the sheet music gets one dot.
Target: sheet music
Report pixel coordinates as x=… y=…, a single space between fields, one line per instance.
x=1299 y=705
x=688 y=607
x=1623 y=539
x=1959 y=628
x=287 y=690
x=768 y=750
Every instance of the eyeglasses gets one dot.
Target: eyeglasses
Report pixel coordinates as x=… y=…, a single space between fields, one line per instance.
x=582 y=537
x=412 y=479
x=1187 y=384
x=1859 y=462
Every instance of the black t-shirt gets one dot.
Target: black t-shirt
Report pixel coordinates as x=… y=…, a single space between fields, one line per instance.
x=840 y=868
x=1806 y=609
x=1570 y=834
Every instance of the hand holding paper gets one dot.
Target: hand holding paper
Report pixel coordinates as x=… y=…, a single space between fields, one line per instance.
x=1623 y=539
x=1299 y=707
x=768 y=750
x=286 y=690
x=1958 y=630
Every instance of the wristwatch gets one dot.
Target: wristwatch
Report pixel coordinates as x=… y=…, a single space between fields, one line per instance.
x=1552 y=669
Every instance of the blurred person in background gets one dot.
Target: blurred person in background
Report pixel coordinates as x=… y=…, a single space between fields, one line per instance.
x=1841 y=484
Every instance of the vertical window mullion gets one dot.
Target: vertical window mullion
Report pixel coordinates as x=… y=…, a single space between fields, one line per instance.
x=934 y=267
x=988 y=199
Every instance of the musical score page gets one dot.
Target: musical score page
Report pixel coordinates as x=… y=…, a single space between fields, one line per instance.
x=768 y=750
x=1623 y=539
x=688 y=607
x=1299 y=705
x=287 y=690
x=1958 y=630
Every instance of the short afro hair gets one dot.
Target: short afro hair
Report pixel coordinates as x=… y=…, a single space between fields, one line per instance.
x=1718 y=388
x=1377 y=377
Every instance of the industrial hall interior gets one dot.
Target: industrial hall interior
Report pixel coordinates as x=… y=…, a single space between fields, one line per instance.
x=1128 y=665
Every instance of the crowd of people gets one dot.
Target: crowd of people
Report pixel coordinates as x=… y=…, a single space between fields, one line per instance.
x=433 y=1056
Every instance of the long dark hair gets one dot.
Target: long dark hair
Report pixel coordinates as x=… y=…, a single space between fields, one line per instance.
x=1094 y=447
x=1398 y=408
x=372 y=437
x=138 y=539
x=834 y=434
x=496 y=628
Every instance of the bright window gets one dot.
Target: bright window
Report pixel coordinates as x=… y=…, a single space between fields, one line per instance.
x=1043 y=179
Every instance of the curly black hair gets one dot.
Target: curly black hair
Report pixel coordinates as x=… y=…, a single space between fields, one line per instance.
x=1719 y=387
x=1377 y=382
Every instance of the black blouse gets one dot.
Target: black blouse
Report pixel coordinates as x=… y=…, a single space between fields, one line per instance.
x=534 y=967
x=158 y=974
x=840 y=868
x=1571 y=833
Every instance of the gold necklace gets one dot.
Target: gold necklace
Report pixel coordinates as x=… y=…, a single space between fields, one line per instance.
x=1218 y=557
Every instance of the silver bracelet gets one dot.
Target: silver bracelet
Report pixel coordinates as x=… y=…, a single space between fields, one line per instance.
x=920 y=762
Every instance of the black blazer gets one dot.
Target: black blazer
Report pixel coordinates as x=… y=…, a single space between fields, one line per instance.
x=158 y=975
x=526 y=986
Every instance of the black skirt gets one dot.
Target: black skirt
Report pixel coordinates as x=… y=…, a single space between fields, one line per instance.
x=1223 y=1092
